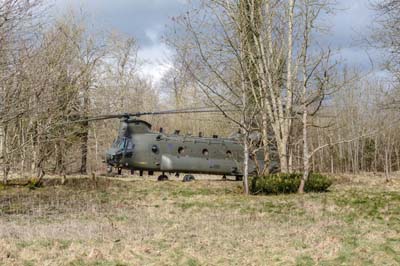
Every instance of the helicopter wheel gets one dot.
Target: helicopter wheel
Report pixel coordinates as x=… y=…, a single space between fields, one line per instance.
x=119 y=171
x=109 y=169
x=239 y=178
x=162 y=178
x=188 y=178
x=224 y=177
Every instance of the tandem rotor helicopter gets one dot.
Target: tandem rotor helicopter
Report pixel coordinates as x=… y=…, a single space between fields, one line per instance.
x=138 y=148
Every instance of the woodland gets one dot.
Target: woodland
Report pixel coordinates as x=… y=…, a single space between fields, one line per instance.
x=264 y=68
x=277 y=85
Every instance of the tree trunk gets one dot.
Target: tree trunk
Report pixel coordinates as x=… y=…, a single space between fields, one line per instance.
x=376 y=155
x=266 y=143
x=332 y=161
x=290 y=164
x=246 y=166
x=84 y=147
x=306 y=156
x=387 y=174
x=4 y=155
x=60 y=167
x=85 y=132
x=282 y=150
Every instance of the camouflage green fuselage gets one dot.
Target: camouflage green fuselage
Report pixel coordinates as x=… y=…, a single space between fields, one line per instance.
x=139 y=148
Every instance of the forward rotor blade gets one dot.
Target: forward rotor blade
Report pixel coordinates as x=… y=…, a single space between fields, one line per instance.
x=81 y=119
x=95 y=118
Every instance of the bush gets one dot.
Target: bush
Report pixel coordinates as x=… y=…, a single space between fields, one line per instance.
x=288 y=183
x=34 y=183
x=317 y=183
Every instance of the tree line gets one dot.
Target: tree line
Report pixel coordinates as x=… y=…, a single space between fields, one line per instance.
x=57 y=71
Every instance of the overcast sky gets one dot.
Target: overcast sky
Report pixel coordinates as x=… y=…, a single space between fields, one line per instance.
x=146 y=21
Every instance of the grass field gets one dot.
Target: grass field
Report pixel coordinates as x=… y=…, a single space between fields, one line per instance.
x=206 y=222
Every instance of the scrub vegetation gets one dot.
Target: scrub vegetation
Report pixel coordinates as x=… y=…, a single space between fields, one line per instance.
x=206 y=222
x=289 y=183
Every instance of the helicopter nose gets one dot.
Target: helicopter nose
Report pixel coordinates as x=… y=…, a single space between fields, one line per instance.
x=113 y=157
x=109 y=157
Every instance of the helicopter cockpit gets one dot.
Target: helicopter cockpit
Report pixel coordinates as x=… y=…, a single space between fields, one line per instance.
x=123 y=146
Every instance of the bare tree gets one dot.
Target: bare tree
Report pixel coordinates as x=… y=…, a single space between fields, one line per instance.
x=386 y=34
x=218 y=66
x=314 y=80
x=14 y=15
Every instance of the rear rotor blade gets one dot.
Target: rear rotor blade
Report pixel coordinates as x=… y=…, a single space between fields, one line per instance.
x=170 y=112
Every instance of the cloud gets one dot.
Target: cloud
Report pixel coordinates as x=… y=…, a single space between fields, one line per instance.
x=350 y=26
x=132 y=17
x=156 y=61
x=147 y=20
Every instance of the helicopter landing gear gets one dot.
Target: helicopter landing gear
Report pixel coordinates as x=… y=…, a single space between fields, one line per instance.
x=109 y=169
x=162 y=177
x=119 y=171
x=224 y=177
x=239 y=178
x=188 y=178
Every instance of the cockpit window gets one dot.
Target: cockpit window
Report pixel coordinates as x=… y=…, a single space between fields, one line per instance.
x=123 y=130
x=116 y=143
x=129 y=144
x=123 y=143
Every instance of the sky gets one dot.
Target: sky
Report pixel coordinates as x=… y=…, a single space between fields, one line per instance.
x=147 y=20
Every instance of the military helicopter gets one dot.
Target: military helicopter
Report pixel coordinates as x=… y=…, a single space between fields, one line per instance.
x=138 y=148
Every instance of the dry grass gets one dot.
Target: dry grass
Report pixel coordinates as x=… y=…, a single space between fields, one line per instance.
x=206 y=222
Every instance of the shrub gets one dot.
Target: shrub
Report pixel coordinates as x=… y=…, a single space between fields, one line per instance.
x=288 y=183
x=34 y=183
x=317 y=183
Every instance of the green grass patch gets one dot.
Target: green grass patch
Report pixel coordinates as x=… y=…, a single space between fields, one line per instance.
x=29 y=263
x=196 y=204
x=192 y=262
x=34 y=183
x=304 y=260
x=355 y=204
x=193 y=192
